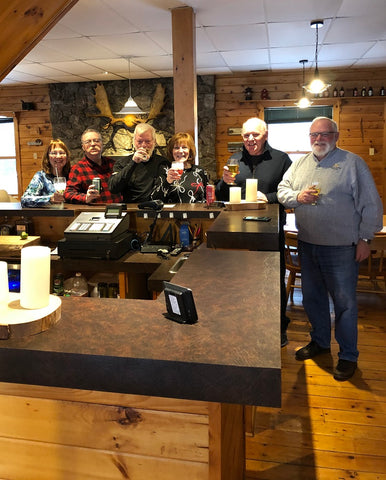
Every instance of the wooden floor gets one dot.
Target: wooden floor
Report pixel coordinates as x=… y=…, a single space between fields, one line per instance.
x=326 y=430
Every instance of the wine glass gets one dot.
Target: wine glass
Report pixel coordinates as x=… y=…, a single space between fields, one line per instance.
x=234 y=168
x=60 y=186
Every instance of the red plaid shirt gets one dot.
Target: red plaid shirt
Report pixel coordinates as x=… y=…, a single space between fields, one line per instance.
x=81 y=176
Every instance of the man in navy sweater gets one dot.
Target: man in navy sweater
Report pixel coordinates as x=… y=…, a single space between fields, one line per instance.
x=258 y=159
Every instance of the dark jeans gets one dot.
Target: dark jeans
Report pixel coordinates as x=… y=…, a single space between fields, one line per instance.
x=329 y=270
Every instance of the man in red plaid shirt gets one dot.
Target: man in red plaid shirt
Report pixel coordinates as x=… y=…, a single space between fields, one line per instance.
x=79 y=184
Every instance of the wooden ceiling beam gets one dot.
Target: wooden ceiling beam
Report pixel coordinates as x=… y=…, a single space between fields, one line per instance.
x=23 y=24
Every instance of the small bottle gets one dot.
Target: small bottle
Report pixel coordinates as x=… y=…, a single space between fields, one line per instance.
x=6 y=228
x=355 y=92
x=113 y=290
x=79 y=286
x=370 y=92
x=58 y=287
x=341 y=92
x=382 y=91
x=326 y=93
x=23 y=225
x=103 y=290
x=184 y=235
x=335 y=92
x=363 y=92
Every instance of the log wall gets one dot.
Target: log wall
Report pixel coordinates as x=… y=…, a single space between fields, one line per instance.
x=30 y=125
x=361 y=120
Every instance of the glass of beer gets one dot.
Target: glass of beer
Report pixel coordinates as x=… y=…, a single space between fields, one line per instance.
x=60 y=186
x=178 y=167
x=315 y=186
x=234 y=168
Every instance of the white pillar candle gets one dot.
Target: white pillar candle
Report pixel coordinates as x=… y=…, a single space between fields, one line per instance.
x=235 y=194
x=35 y=277
x=251 y=190
x=4 y=291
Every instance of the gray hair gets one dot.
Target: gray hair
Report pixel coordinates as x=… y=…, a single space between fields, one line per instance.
x=334 y=125
x=144 y=127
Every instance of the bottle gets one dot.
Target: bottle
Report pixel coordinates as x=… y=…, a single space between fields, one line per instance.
x=6 y=228
x=326 y=93
x=103 y=289
x=370 y=92
x=355 y=92
x=113 y=290
x=184 y=235
x=23 y=225
x=363 y=92
x=382 y=91
x=335 y=92
x=341 y=92
x=79 y=286
x=58 y=287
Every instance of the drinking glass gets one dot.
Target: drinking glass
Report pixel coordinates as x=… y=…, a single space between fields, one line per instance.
x=315 y=186
x=60 y=186
x=234 y=168
x=179 y=167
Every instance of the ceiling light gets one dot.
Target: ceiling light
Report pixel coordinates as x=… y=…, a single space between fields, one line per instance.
x=304 y=102
x=130 y=106
x=317 y=85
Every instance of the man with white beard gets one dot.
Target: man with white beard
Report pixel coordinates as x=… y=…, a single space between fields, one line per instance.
x=337 y=210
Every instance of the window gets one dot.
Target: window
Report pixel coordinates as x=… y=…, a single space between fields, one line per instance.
x=8 y=172
x=288 y=128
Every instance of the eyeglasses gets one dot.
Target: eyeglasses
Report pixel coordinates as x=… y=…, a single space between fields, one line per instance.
x=146 y=142
x=57 y=154
x=92 y=140
x=322 y=134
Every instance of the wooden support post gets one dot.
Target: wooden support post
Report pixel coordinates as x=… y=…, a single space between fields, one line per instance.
x=184 y=70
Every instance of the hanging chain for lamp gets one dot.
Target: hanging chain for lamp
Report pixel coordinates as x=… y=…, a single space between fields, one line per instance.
x=317 y=85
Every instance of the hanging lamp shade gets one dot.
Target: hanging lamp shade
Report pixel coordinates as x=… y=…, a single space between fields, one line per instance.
x=317 y=85
x=304 y=102
x=130 y=107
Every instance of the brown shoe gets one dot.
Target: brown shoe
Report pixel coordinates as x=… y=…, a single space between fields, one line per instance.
x=344 y=370
x=310 y=351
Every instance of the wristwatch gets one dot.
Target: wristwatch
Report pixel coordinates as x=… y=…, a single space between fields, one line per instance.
x=368 y=241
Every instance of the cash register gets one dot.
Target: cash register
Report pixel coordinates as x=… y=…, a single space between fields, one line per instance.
x=102 y=235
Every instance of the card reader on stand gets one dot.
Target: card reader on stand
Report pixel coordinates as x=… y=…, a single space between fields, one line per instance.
x=102 y=235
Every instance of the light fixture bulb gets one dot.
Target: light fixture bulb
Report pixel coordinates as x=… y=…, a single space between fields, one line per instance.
x=304 y=102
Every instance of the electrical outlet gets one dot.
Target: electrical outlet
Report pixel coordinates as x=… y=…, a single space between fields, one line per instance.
x=35 y=156
x=371 y=151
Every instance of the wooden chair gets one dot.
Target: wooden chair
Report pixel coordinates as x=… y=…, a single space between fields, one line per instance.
x=372 y=271
x=292 y=263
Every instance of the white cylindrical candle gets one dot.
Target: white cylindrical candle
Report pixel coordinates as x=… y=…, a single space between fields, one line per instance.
x=235 y=194
x=251 y=190
x=4 y=291
x=35 y=277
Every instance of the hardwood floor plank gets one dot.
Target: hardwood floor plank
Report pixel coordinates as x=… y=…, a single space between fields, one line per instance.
x=326 y=430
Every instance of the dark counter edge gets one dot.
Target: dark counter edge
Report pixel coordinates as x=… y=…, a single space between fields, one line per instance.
x=158 y=378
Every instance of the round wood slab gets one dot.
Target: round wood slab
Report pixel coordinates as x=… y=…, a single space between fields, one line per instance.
x=16 y=321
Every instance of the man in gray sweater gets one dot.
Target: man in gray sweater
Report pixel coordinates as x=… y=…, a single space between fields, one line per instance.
x=337 y=210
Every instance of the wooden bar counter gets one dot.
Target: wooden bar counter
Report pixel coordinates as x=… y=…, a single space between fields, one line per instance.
x=117 y=391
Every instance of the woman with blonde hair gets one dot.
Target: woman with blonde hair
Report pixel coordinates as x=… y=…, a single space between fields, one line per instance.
x=183 y=182
x=55 y=163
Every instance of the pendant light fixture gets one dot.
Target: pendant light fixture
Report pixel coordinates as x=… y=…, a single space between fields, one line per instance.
x=304 y=102
x=130 y=106
x=317 y=85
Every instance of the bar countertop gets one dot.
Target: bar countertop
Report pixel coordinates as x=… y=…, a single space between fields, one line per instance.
x=232 y=355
